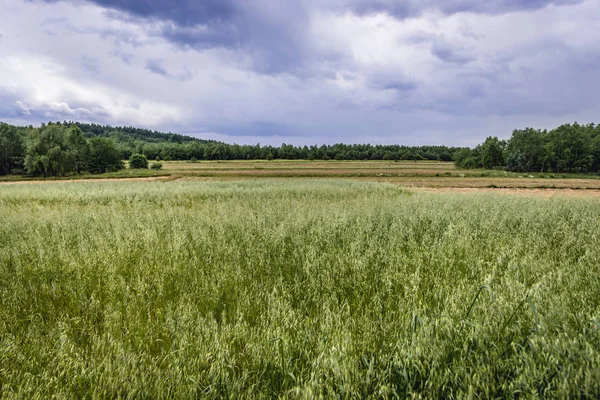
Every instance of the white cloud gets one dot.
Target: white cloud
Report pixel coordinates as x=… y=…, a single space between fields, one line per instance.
x=431 y=78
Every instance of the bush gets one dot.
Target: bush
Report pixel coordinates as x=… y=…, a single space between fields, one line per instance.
x=138 y=161
x=156 y=165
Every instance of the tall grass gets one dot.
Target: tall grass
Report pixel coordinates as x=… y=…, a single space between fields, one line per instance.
x=295 y=289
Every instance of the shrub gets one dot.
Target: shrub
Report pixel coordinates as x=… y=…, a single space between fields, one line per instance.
x=138 y=161
x=156 y=165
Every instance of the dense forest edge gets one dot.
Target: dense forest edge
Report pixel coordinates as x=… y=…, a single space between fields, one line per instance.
x=67 y=148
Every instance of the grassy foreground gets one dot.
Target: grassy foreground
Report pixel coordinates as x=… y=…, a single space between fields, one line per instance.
x=295 y=289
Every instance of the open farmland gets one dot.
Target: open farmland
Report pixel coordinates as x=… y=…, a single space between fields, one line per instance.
x=296 y=288
x=421 y=174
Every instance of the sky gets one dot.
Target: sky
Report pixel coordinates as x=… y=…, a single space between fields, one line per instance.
x=412 y=72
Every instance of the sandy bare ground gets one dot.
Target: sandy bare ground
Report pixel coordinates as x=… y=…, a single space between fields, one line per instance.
x=31 y=182
x=491 y=183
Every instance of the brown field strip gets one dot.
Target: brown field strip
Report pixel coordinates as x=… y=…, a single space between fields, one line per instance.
x=301 y=166
x=494 y=182
x=520 y=191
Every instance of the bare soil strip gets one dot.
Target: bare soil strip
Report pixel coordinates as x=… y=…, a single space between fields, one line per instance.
x=523 y=191
x=568 y=187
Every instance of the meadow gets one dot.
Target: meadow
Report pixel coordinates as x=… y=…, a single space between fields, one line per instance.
x=296 y=288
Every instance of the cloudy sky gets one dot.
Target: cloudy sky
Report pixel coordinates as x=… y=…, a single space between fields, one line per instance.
x=304 y=71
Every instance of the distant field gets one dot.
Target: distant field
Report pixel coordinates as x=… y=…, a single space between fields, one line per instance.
x=296 y=288
x=284 y=165
x=403 y=173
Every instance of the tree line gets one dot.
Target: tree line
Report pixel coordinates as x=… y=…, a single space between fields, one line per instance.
x=62 y=148
x=171 y=146
x=568 y=148
x=57 y=150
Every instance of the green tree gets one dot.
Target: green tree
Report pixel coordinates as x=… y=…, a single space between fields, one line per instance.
x=531 y=143
x=460 y=157
x=491 y=153
x=104 y=156
x=48 y=151
x=12 y=150
x=516 y=162
x=570 y=148
x=595 y=145
x=80 y=150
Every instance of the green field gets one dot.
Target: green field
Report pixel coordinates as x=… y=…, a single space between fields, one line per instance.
x=296 y=288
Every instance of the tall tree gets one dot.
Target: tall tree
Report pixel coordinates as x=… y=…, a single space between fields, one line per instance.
x=531 y=144
x=80 y=150
x=491 y=153
x=104 y=156
x=48 y=151
x=12 y=150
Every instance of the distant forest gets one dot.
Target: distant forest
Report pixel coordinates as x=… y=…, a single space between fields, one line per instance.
x=568 y=148
x=62 y=148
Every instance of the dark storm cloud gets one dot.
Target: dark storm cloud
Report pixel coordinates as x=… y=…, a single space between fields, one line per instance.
x=281 y=27
x=182 y=12
x=410 y=8
x=215 y=12
x=276 y=35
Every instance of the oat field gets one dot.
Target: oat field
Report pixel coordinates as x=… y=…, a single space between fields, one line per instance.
x=297 y=288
